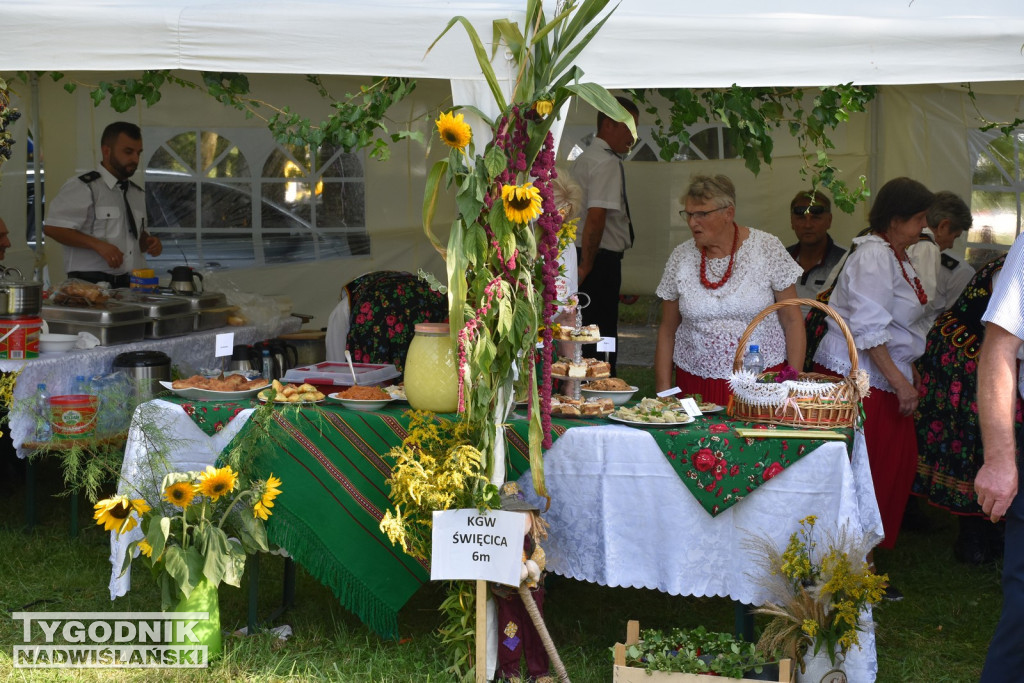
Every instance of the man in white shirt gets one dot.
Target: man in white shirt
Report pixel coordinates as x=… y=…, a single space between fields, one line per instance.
x=996 y=483
x=99 y=216
x=607 y=230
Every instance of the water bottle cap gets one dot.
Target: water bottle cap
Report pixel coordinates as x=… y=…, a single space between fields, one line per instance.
x=80 y=378
x=754 y=348
x=41 y=386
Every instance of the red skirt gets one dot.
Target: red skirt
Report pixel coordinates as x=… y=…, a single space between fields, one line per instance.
x=891 y=441
x=711 y=390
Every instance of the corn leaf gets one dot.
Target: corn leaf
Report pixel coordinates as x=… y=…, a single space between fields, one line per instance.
x=430 y=197
x=481 y=57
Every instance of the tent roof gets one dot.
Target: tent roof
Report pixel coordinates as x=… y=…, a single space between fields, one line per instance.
x=646 y=43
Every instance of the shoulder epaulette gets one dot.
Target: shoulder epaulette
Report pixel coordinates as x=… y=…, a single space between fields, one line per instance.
x=949 y=262
x=925 y=237
x=89 y=177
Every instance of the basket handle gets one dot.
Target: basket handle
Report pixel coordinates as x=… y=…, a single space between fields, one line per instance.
x=850 y=344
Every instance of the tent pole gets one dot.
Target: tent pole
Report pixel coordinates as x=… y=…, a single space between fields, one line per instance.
x=39 y=271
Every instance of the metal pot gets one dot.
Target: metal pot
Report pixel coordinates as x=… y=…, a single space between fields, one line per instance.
x=145 y=369
x=19 y=298
x=310 y=347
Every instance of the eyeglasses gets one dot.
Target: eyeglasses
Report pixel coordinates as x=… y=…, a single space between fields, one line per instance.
x=699 y=215
x=815 y=210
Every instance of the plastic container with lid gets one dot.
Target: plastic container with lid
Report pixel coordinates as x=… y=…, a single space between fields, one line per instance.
x=431 y=370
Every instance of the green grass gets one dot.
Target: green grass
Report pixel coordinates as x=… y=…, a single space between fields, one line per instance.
x=938 y=633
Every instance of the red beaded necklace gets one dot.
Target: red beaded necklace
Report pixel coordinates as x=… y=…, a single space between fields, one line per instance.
x=916 y=284
x=708 y=284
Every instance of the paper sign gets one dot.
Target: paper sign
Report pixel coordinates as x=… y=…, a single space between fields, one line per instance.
x=224 y=345
x=669 y=392
x=468 y=545
x=606 y=344
x=690 y=407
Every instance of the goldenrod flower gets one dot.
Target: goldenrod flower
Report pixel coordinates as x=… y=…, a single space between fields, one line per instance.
x=544 y=107
x=115 y=514
x=214 y=483
x=270 y=491
x=454 y=131
x=145 y=548
x=522 y=202
x=180 y=494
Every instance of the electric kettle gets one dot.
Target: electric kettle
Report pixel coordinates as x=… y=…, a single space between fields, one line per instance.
x=183 y=280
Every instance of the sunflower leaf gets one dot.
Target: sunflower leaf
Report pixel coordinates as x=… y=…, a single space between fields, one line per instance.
x=215 y=555
x=495 y=161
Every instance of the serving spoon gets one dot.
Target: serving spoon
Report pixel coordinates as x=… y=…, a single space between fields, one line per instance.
x=348 y=357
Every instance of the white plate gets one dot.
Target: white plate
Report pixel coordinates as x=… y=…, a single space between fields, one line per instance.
x=716 y=409
x=208 y=395
x=657 y=425
x=360 y=404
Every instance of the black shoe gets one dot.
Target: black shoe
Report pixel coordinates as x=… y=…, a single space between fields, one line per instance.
x=892 y=593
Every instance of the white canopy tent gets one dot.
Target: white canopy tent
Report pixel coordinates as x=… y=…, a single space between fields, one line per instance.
x=913 y=130
x=646 y=43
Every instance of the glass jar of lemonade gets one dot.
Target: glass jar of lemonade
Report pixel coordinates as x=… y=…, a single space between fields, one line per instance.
x=431 y=370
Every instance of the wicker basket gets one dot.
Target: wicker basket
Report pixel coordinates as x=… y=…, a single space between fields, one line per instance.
x=838 y=406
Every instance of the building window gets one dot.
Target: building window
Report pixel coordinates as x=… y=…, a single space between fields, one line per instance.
x=997 y=186
x=238 y=200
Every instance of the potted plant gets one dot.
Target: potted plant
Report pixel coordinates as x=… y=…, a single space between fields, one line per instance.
x=195 y=536
x=681 y=655
x=820 y=584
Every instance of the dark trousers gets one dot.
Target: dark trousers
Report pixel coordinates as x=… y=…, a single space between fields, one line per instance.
x=517 y=636
x=96 y=276
x=1005 y=660
x=602 y=286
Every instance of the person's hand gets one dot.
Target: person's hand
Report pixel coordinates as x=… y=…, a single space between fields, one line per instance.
x=109 y=253
x=152 y=245
x=582 y=273
x=996 y=486
x=917 y=378
x=908 y=397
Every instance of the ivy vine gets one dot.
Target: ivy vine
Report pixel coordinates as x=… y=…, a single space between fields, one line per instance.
x=751 y=115
x=358 y=120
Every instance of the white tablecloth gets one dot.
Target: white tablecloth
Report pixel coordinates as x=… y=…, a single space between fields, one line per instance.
x=620 y=516
x=58 y=371
x=184 y=447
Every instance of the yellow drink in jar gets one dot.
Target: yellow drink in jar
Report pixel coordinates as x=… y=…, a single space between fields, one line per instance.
x=431 y=370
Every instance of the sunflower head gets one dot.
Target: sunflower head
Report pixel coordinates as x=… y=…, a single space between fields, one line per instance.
x=214 y=483
x=270 y=491
x=115 y=514
x=544 y=107
x=522 y=202
x=180 y=494
x=145 y=548
x=454 y=131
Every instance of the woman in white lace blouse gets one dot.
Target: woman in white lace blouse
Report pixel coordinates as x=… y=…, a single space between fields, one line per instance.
x=712 y=288
x=880 y=297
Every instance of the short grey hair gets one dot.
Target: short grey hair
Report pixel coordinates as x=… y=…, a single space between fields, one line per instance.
x=718 y=189
x=949 y=205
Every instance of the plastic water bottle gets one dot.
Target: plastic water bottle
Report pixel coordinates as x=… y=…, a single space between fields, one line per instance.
x=752 y=361
x=43 y=430
x=81 y=386
x=268 y=365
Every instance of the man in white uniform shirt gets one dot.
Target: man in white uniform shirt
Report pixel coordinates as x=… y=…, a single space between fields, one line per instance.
x=942 y=275
x=606 y=230
x=99 y=216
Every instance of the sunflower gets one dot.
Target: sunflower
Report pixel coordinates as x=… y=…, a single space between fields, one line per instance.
x=115 y=514
x=180 y=494
x=145 y=548
x=266 y=501
x=522 y=202
x=544 y=107
x=454 y=131
x=214 y=483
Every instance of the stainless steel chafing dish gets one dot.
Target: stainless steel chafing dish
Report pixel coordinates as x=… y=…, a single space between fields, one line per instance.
x=211 y=308
x=168 y=316
x=108 y=314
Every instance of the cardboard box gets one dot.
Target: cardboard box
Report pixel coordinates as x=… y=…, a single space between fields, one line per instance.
x=631 y=674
